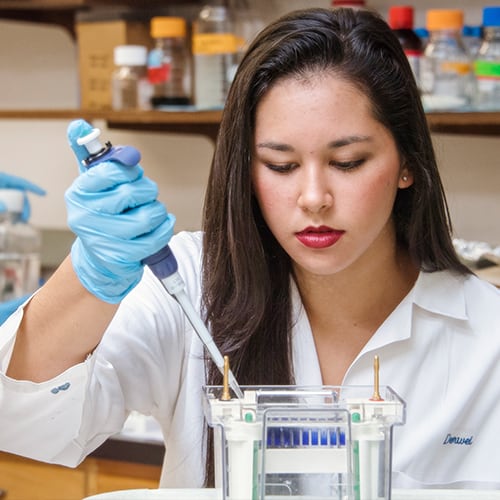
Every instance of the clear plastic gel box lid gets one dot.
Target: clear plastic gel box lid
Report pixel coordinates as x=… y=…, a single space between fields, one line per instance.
x=304 y=442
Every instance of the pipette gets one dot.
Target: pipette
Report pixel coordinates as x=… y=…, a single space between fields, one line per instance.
x=163 y=263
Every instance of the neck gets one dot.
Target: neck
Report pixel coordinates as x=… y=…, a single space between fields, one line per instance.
x=360 y=293
x=347 y=308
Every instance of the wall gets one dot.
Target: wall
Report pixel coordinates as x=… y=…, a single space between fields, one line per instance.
x=39 y=70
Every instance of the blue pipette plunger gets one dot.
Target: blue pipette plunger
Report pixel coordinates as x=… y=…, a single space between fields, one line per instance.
x=162 y=263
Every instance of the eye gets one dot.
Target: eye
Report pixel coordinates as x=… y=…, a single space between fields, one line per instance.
x=347 y=165
x=287 y=167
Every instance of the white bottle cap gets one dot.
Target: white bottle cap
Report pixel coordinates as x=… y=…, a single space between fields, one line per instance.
x=130 y=55
x=13 y=199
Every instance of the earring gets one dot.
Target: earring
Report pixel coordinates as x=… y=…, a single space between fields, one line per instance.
x=405 y=178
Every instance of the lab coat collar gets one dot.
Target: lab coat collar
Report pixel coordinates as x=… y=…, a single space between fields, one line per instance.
x=439 y=293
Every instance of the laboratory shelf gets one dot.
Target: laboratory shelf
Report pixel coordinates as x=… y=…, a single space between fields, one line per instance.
x=207 y=122
x=182 y=122
x=466 y=123
x=63 y=12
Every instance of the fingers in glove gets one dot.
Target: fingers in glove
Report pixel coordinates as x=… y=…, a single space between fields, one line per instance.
x=76 y=130
x=120 y=198
x=126 y=225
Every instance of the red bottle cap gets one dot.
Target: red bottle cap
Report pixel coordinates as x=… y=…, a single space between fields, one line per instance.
x=401 y=17
x=348 y=3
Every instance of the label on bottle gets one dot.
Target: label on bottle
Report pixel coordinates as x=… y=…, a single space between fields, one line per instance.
x=158 y=69
x=488 y=84
x=159 y=74
x=214 y=43
x=447 y=84
x=457 y=67
x=487 y=69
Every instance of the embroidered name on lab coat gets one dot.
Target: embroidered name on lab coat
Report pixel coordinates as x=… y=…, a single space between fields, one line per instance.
x=466 y=441
x=62 y=387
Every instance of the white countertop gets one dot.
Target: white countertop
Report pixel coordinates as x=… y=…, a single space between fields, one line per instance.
x=211 y=494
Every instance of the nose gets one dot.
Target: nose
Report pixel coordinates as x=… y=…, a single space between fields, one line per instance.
x=314 y=193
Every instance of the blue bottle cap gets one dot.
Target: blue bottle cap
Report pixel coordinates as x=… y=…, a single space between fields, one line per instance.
x=491 y=16
x=422 y=32
x=472 y=31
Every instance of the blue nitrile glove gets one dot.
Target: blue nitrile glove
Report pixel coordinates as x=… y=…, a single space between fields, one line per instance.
x=9 y=306
x=118 y=222
x=13 y=182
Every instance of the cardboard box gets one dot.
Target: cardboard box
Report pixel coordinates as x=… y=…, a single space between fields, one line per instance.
x=96 y=41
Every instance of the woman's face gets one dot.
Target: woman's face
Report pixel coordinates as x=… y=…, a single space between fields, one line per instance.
x=325 y=174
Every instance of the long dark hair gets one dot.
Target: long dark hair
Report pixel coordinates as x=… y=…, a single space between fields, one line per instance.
x=246 y=274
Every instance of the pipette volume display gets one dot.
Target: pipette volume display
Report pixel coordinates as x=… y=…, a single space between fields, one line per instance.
x=162 y=263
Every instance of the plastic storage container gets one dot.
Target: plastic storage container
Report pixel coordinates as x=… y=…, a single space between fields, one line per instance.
x=446 y=73
x=169 y=63
x=303 y=442
x=214 y=50
x=487 y=63
x=20 y=246
x=130 y=89
x=400 y=19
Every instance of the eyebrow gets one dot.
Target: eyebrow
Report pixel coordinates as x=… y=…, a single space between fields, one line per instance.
x=344 y=141
x=352 y=139
x=275 y=146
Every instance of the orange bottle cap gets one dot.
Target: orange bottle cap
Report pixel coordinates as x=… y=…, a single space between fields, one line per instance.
x=168 y=27
x=442 y=19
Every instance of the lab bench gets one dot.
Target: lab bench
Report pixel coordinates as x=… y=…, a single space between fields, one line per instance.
x=116 y=465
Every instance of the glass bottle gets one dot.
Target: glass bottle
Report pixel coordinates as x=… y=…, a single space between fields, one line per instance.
x=169 y=63
x=400 y=20
x=423 y=34
x=20 y=245
x=446 y=72
x=129 y=81
x=473 y=38
x=214 y=48
x=487 y=63
x=247 y=22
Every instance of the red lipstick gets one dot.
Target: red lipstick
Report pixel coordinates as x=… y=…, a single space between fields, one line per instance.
x=319 y=237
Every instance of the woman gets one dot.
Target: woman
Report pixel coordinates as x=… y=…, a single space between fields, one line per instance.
x=326 y=240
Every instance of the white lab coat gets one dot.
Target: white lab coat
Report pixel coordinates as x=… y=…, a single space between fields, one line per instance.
x=439 y=350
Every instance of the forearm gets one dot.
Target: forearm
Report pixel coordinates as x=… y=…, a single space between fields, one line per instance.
x=118 y=222
x=61 y=325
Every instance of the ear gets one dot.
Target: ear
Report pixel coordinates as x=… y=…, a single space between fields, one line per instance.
x=405 y=178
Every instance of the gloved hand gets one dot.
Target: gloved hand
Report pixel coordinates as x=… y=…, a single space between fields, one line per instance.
x=118 y=222
x=13 y=182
